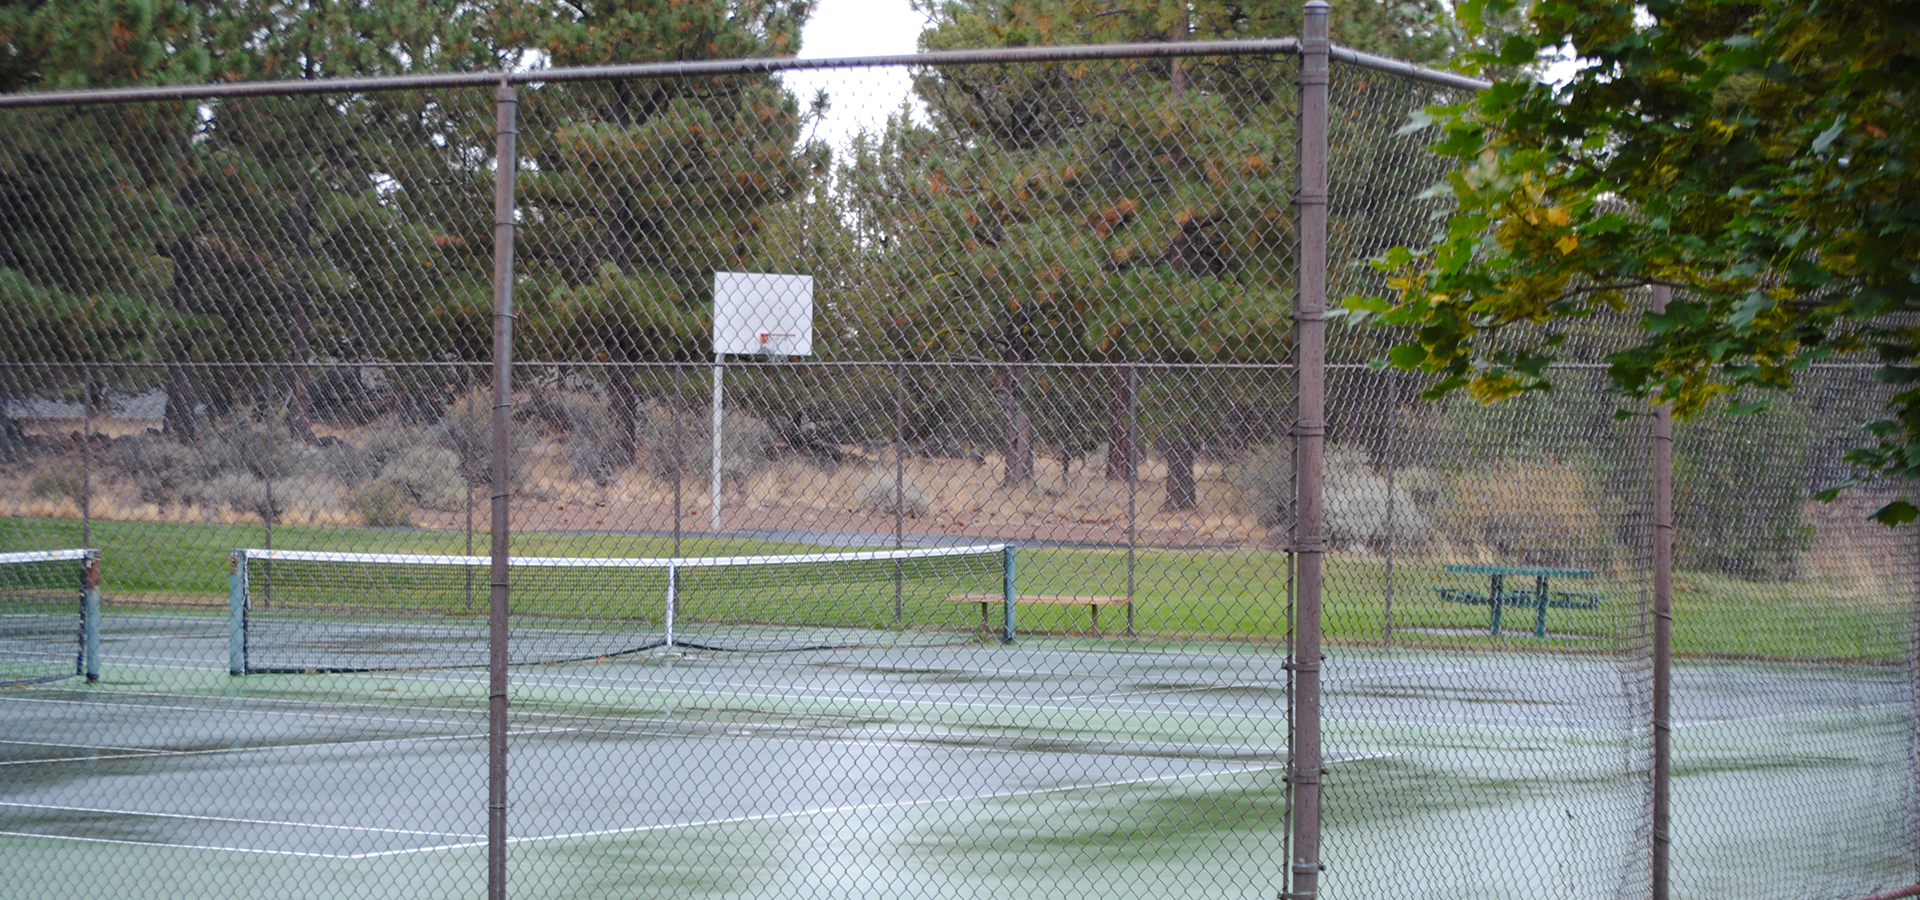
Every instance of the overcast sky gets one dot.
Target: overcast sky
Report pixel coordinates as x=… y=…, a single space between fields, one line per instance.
x=859 y=97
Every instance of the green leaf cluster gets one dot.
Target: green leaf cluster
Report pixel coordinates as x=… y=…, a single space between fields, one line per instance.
x=1755 y=157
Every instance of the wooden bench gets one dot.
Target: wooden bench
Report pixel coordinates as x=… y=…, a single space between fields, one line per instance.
x=1092 y=602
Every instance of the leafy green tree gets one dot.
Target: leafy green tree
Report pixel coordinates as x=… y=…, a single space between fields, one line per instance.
x=1756 y=157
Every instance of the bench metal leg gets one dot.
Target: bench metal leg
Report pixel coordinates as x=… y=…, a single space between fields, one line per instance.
x=1540 y=601
x=1493 y=602
x=1094 y=608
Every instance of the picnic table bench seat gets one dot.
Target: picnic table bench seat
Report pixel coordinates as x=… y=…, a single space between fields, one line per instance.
x=1092 y=602
x=1555 y=599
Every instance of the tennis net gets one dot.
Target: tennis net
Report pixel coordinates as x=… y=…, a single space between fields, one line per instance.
x=317 y=611
x=49 y=615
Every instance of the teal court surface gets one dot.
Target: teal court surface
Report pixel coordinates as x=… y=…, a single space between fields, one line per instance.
x=1052 y=767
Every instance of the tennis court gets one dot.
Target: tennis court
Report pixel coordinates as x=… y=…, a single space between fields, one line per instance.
x=913 y=771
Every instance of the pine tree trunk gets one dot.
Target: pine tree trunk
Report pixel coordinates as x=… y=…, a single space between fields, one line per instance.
x=1017 y=430
x=1120 y=452
x=623 y=406
x=178 y=419
x=1182 y=491
x=300 y=408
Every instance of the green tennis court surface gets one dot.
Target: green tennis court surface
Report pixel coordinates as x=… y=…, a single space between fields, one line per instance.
x=1051 y=767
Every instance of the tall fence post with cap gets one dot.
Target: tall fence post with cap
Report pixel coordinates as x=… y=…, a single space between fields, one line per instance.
x=1310 y=196
x=505 y=162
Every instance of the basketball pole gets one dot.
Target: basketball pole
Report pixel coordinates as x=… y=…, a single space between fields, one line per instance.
x=719 y=373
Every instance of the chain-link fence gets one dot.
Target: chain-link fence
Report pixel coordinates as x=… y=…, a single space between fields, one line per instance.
x=991 y=579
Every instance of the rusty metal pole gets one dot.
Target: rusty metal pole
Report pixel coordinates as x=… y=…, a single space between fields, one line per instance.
x=505 y=162
x=1310 y=346
x=1662 y=629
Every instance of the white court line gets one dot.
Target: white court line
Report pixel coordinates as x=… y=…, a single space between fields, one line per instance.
x=744 y=690
x=782 y=734
x=151 y=844
x=192 y=818
x=263 y=710
x=1194 y=689
x=947 y=703
x=79 y=746
x=148 y=754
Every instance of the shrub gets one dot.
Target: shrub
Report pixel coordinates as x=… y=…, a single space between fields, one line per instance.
x=385 y=442
x=1265 y=480
x=260 y=450
x=242 y=492
x=1538 y=511
x=431 y=476
x=878 y=493
x=746 y=444
x=383 y=505
x=1354 y=502
x=160 y=468
x=60 y=481
x=592 y=441
x=467 y=431
x=334 y=458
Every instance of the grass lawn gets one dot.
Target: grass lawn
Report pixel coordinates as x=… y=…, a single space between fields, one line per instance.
x=1232 y=594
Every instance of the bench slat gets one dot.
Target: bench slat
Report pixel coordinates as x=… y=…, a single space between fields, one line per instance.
x=1069 y=599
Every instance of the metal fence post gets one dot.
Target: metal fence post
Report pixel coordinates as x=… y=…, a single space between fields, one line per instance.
x=1662 y=627
x=505 y=162
x=1310 y=546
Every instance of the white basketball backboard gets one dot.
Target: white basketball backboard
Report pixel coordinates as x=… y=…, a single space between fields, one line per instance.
x=764 y=314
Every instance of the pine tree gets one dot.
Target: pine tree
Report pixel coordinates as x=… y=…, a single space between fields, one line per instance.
x=1128 y=211
x=86 y=195
x=636 y=192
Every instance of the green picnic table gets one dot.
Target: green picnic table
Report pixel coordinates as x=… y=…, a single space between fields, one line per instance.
x=1540 y=597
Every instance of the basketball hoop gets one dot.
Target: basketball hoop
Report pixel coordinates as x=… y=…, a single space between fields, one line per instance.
x=777 y=344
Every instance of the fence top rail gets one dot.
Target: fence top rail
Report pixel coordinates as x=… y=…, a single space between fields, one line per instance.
x=1071 y=53
x=1408 y=70
x=746 y=66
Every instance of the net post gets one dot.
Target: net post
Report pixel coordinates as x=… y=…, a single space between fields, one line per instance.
x=673 y=583
x=1006 y=589
x=90 y=614
x=237 y=613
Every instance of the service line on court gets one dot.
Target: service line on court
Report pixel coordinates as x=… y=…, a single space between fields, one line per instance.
x=151 y=844
x=854 y=808
x=263 y=748
x=193 y=818
x=267 y=710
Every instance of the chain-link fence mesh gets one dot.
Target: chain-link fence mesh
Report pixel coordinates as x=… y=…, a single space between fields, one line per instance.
x=1051 y=310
